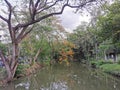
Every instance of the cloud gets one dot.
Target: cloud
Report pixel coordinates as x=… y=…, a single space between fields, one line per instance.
x=71 y=20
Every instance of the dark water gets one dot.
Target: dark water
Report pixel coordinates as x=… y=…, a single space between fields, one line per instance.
x=59 y=77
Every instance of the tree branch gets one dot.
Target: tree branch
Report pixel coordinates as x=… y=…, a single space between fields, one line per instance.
x=34 y=9
x=21 y=33
x=54 y=13
x=47 y=7
x=41 y=6
x=9 y=20
x=36 y=4
x=3 y=18
x=24 y=34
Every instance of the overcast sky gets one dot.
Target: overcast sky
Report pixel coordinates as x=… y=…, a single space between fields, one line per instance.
x=71 y=20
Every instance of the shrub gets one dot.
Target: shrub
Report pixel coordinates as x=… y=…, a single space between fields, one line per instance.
x=96 y=64
x=20 y=71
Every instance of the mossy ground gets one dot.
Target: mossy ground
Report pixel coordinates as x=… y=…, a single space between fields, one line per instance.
x=107 y=66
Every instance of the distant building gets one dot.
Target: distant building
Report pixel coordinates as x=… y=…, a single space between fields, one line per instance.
x=111 y=54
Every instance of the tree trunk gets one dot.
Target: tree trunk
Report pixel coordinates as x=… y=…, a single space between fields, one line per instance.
x=12 y=66
x=14 y=62
x=7 y=66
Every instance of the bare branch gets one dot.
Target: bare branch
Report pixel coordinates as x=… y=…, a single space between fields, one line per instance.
x=9 y=19
x=32 y=9
x=48 y=7
x=41 y=5
x=21 y=33
x=8 y=3
x=54 y=13
x=36 y=4
x=1 y=17
x=24 y=34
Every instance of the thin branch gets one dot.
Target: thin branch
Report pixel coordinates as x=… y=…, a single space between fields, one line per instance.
x=7 y=3
x=51 y=14
x=10 y=10
x=21 y=33
x=3 y=18
x=41 y=5
x=34 y=9
x=48 y=7
x=9 y=20
x=36 y=4
x=24 y=34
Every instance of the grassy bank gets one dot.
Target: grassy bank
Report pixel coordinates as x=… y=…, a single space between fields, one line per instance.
x=107 y=66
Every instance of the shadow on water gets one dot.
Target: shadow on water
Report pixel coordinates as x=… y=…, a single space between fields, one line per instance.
x=59 y=77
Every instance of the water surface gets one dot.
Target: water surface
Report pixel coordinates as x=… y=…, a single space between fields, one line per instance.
x=61 y=77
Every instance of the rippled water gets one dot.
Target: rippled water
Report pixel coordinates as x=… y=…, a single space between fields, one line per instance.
x=60 y=77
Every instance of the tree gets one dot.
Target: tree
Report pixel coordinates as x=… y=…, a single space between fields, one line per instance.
x=84 y=37
x=109 y=23
x=39 y=43
x=20 y=17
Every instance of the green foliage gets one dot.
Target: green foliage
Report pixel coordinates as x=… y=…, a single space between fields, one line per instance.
x=46 y=51
x=37 y=40
x=99 y=63
x=118 y=61
x=111 y=68
x=21 y=70
x=41 y=39
x=3 y=48
x=84 y=38
x=109 y=23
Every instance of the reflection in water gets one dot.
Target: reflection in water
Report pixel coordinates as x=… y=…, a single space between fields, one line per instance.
x=75 y=77
x=25 y=85
x=56 y=86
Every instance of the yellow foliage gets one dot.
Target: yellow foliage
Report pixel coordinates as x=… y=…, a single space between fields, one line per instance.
x=65 y=51
x=70 y=52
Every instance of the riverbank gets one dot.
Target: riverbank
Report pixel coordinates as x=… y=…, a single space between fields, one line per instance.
x=109 y=67
x=22 y=71
x=25 y=70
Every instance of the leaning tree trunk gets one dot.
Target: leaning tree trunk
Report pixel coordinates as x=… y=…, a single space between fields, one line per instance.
x=7 y=66
x=12 y=64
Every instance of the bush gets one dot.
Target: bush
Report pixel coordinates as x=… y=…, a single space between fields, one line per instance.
x=20 y=71
x=96 y=64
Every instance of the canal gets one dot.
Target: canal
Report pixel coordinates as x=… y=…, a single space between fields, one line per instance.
x=62 y=77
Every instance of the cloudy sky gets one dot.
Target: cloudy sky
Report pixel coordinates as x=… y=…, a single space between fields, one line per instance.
x=71 y=20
